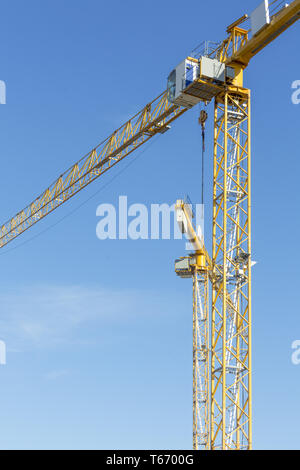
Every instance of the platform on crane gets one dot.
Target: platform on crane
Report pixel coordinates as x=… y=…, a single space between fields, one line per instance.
x=195 y=80
x=185 y=267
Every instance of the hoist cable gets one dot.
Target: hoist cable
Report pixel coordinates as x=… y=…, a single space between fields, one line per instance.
x=202 y=120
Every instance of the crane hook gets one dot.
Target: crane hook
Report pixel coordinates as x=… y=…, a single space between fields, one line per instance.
x=203 y=118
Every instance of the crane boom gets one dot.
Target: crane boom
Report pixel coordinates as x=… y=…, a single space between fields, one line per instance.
x=281 y=21
x=203 y=260
x=154 y=118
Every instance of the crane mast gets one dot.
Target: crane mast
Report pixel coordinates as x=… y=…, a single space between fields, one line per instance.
x=222 y=338
x=197 y=266
x=231 y=398
x=201 y=419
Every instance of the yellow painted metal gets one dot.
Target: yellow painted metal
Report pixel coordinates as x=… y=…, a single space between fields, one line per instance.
x=202 y=272
x=236 y=40
x=280 y=22
x=231 y=399
x=237 y=23
x=153 y=119
x=203 y=258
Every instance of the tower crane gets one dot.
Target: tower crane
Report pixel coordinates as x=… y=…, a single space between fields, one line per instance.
x=222 y=341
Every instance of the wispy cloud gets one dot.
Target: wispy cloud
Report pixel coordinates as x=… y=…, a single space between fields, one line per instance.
x=56 y=374
x=49 y=316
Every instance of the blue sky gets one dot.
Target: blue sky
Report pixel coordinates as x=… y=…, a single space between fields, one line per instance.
x=99 y=332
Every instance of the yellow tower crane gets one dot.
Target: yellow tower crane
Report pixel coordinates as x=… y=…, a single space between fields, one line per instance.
x=198 y=267
x=222 y=383
x=227 y=397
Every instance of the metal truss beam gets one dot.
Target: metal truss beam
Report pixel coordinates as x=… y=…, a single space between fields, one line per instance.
x=201 y=428
x=153 y=119
x=231 y=401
